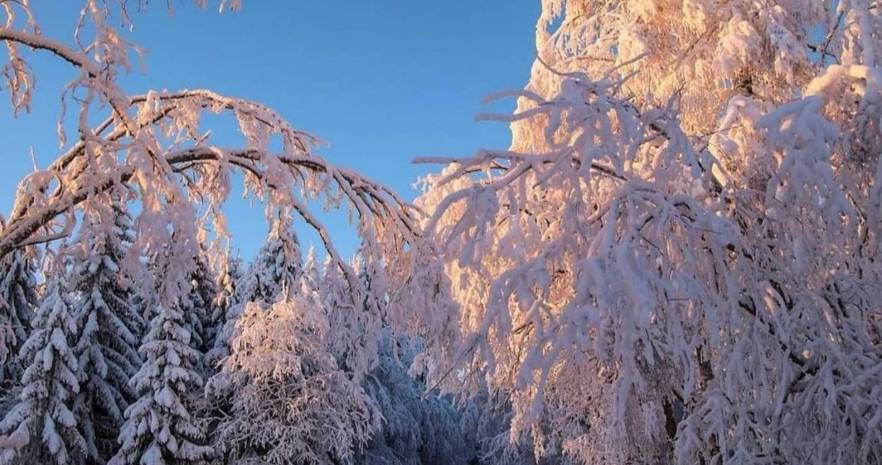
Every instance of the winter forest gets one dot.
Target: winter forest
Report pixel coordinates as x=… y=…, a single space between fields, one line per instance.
x=675 y=261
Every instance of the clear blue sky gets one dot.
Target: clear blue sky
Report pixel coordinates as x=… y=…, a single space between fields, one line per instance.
x=382 y=81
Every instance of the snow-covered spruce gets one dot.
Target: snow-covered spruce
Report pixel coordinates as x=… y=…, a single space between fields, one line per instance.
x=41 y=427
x=110 y=328
x=159 y=427
x=225 y=308
x=18 y=301
x=198 y=308
x=228 y=281
x=277 y=268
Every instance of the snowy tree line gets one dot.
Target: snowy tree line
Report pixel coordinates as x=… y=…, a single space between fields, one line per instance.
x=249 y=365
x=676 y=261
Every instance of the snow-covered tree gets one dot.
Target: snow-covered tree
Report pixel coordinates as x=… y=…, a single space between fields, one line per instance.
x=293 y=404
x=160 y=427
x=18 y=301
x=276 y=270
x=274 y=274
x=418 y=427
x=198 y=308
x=677 y=259
x=42 y=427
x=225 y=308
x=158 y=148
x=226 y=294
x=109 y=327
x=486 y=422
x=353 y=345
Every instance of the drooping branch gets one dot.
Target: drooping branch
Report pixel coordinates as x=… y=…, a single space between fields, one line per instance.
x=26 y=223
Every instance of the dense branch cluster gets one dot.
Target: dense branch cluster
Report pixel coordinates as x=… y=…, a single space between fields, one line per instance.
x=677 y=260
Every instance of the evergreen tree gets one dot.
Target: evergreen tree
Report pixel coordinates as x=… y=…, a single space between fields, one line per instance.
x=418 y=427
x=273 y=274
x=159 y=426
x=18 y=300
x=206 y=296
x=41 y=427
x=275 y=270
x=110 y=329
x=228 y=282
x=311 y=274
x=197 y=306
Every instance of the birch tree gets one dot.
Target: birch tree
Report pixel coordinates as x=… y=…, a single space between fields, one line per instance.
x=677 y=259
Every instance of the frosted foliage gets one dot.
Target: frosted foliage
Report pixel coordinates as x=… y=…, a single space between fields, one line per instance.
x=160 y=427
x=228 y=280
x=226 y=310
x=677 y=260
x=292 y=404
x=41 y=427
x=355 y=329
x=702 y=50
x=213 y=293
x=485 y=421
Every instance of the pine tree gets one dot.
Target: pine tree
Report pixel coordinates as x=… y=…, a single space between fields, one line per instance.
x=18 y=300
x=276 y=269
x=197 y=306
x=41 y=427
x=159 y=426
x=206 y=295
x=110 y=329
x=228 y=282
x=311 y=274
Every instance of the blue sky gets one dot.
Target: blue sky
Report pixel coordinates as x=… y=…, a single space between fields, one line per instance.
x=382 y=81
